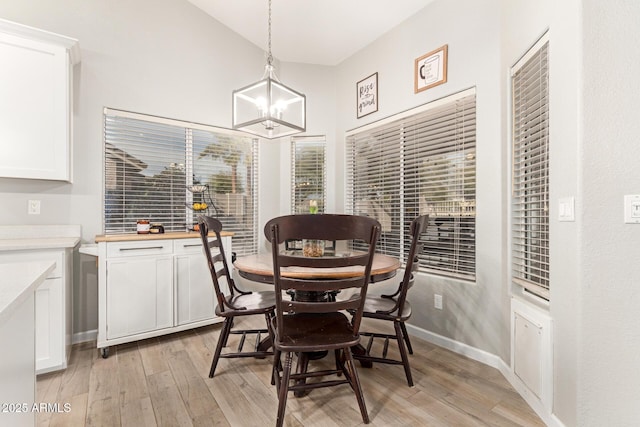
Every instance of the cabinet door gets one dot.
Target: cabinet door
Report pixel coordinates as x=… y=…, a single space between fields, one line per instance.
x=50 y=321
x=34 y=108
x=139 y=295
x=53 y=308
x=195 y=296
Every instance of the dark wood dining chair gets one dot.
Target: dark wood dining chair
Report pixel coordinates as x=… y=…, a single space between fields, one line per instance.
x=395 y=308
x=317 y=324
x=236 y=302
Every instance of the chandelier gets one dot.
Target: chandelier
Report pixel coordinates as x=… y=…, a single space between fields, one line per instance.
x=268 y=108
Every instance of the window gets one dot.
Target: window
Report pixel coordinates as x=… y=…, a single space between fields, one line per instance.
x=170 y=172
x=530 y=166
x=420 y=162
x=308 y=173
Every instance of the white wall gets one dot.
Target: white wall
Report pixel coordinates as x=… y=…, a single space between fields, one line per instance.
x=609 y=336
x=564 y=180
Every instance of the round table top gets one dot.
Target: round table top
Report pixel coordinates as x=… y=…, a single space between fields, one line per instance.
x=259 y=268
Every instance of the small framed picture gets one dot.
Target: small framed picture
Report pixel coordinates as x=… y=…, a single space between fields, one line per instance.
x=367 y=95
x=431 y=69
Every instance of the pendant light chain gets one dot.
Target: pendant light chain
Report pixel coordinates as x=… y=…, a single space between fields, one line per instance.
x=269 y=56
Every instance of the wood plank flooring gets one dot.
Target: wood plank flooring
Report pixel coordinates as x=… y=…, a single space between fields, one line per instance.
x=164 y=382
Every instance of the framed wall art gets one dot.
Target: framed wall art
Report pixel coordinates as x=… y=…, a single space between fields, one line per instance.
x=367 y=95
x=430 y=69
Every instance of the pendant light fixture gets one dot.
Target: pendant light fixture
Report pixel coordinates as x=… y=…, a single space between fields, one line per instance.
x=268 y=108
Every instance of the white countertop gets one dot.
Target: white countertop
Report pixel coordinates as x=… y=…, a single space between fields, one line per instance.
x=30 y=237
x=19 y=279
x=39 y=243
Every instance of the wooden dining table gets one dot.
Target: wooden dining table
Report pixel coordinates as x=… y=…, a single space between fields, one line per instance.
x=259 y=268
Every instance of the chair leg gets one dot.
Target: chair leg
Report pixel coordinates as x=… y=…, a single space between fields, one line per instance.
x=284 y=390
x=222 y=341
x=338 y=362
x=231 y=319
x=275 y=370
x=302 y=367
x=406 y=337
x=276 y=354
x=355 y=384
x=403 y=352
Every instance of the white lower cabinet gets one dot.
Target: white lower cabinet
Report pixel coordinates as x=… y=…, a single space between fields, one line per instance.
x=50 y=341
x=148 y=288
x=193 y=300
x=139 y=293
x=53 y=320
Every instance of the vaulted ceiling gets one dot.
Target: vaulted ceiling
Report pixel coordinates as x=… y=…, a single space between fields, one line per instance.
x=312 y=31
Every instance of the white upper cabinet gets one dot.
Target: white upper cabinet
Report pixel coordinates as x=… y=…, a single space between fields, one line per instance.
x=36 y=81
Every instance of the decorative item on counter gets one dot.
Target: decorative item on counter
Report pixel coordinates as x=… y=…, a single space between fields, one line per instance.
x=142 y=226
x=156 y=228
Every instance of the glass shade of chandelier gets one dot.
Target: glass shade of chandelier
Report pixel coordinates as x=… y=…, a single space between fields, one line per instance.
x=268 y=108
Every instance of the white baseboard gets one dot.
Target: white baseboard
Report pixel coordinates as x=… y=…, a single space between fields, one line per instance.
x=489 y=360
x=458 y=347
x=85 y=336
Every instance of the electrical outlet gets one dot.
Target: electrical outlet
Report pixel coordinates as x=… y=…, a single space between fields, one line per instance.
x=437 y=301
x=33 y=207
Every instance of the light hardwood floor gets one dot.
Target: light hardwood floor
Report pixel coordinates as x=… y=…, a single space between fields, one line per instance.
x=164 y=382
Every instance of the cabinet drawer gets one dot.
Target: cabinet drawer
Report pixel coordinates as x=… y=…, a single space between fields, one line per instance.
x=187 y=246
x=137 y=248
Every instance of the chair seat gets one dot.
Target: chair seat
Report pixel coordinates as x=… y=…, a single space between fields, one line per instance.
x=253 y=303
x=373 y=304
x=314 y=332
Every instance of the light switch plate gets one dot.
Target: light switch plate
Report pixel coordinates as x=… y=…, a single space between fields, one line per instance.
x=566 y=209
x=632 y=209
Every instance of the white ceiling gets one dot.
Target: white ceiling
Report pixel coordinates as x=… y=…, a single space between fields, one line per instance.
x=311 y=31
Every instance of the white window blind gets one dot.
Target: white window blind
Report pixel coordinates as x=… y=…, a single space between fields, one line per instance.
x=169 y=172
x=420 y=162
x=530 y=170
x=308 y=173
